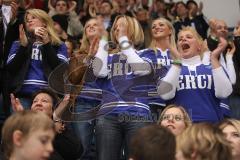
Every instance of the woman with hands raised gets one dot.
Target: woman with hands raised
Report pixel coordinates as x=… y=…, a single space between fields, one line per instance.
x=118 y=73
x=31 y=59
x=195 y=86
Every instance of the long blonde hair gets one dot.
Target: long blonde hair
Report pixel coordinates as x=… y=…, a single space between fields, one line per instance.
x=47 y=20
x=85 y=41
x=233 y=122
x=134 y=29
x=172 y=36
x=203 y=141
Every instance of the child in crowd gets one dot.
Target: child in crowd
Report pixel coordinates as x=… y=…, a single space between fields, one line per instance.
x=28 y=135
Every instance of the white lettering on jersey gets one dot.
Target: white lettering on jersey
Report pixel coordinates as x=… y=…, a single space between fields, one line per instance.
x=36 y=54
x=194 y=82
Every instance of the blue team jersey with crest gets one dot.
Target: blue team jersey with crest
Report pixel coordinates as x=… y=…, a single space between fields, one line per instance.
x=198 y=86
x=35 y=78
x=160 y=61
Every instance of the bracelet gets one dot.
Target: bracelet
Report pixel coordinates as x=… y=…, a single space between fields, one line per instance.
x=177 y=62
x=105 y=38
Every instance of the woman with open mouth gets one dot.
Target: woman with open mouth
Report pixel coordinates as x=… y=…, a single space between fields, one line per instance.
x=195 y=86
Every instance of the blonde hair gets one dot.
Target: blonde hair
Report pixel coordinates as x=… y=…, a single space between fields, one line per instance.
x=203 y=141
x=134 y=30
x=187 y=119
x=172 y=36
x=233 y=122
x=196 y=35
x=47 y=20
x=25 y=121
x=85 y=41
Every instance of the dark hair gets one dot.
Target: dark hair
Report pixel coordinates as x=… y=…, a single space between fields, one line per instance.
x=48 y=91
x=61 y=0
x=181 y=2
x=106 y=1
x=153 y=142
x=191 y=1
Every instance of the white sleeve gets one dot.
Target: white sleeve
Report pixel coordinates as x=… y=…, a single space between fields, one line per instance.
x=206 y=58
x=100 y=68
x=170 y=80
x=138 y=65
x=230 y=69
x=222 y=85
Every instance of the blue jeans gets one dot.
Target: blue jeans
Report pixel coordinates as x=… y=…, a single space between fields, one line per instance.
x=111 y=132
x=85 y=129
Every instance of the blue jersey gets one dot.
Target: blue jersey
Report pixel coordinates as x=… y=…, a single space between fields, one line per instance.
x=224 y=105
x=195 y=92
x=121 y=88
x=35 y=78
x=160 y=61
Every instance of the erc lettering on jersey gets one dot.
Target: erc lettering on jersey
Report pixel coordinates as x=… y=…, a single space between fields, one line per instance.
x=36 y=54
x=194 y=82
x=119 y=69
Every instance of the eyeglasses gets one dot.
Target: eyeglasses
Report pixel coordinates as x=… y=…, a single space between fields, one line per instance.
x=176 y=117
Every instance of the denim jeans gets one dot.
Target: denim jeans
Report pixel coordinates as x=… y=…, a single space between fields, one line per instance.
x=111 y=133
x=85 y=129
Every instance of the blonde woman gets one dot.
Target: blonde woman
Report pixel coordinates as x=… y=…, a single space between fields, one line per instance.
x=159 y=55
x=85 y=129
x=194 y=85
x=118 y=73
x=175 y=118
x=231 y=130
x=202 y=141
x=34 y=56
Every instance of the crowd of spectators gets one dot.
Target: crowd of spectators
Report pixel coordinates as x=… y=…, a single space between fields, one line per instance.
x=117 y=80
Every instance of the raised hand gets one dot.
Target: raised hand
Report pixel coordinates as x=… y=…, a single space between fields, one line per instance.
x=14 y=11
x=200 y=8
x=220 y=48
x=102 y=31
x=72 y=5
x=93 y=47
x=231 y=50
x=22 y=36
x=174 y=51
x=61 y=107
x=43 y=34
x=216 y=52
x=16 y=104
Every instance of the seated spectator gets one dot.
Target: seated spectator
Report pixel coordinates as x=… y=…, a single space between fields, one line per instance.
x=231 y=130
x=65 y=145
x=28 y=135
x=153 y=143
x=175 y=118
x=202 y=141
